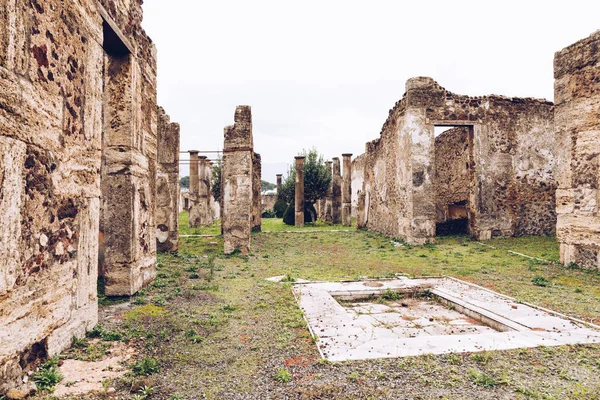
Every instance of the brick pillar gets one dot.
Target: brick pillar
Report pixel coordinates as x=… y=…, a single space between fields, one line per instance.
x=329 y=198
x=279 y=179
x=194 y=198
x=347 y=191
x=236 y=183
x=299 y=198
x=256 y=194
x=336 y=204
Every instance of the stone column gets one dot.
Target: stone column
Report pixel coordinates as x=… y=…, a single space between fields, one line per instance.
x=194 y=197
x=203 y=193
x=167 y=184
x=256 y=194
x=299 y=197
x=336 y=204
x=361 y=212
x=279 y=180
x=236 y=183
x=347 y=190
x=329 y=198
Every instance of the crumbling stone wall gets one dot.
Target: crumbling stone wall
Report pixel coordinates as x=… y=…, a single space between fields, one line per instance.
x=256 y=193
x=577 y=117
x=358 y=172
x=336 y=189
x=74 y=100
x=452 y=174
x=167 y=184
x=237 y=183
x=513 y=154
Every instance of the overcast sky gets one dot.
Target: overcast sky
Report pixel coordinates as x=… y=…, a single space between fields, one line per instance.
x=325 y=73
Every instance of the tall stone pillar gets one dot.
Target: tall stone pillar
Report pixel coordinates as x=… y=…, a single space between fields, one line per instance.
x=347 y=190
x=194 y=197
x=361 y=211
x=336 y=204
x=329 y=198
x=203 y=192
x=128 y=181
x=167 y=184
x=279 y=183
x=299 y=197
x=256 y=193
x=236 y=183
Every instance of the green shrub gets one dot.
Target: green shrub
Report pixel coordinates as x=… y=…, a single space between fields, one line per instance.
x=309 y=212
x=280 y=207
x=269 y=214
x=288 y=216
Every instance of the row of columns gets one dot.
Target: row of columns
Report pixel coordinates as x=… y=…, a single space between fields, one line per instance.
x=199 y=197
x=336 y=207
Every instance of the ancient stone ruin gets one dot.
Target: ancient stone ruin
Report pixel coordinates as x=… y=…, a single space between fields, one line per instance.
x=512 y=152
x=299 y=192
x=238 y=207
x=167 y=184
x=577 y=119
x=347 y=190
x=78 y=176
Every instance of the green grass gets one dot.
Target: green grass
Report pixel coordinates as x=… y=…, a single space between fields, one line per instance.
x=229 y=333
x=184 y=229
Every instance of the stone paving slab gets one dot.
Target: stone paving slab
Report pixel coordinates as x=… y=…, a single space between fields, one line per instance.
x=461 y=317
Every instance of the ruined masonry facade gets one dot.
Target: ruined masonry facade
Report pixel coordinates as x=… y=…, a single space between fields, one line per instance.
x=167 y=184
x=512 y=190
x=78 y=151
x=238 y=216
x=577 y=118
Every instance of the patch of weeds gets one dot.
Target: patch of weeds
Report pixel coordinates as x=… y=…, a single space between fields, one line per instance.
x=573 y=265
x=282 y=376
x=207 y=288
x=159 y=301
x=482 y=379
x=159 y=283
x=481 y=358
x=194 y=337
x=540 y=281
x=353 y=377
x=391 y=295
x=288 y=278
x=79 y=343
x=176 y=397
x=146 y=366
x=194 y=276
x=229 y=308
x=453 y=359
x=191 y=268
x=578 y=290
x=47 y=376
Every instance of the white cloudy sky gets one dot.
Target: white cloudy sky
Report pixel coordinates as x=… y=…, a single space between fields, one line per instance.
x=324 y=73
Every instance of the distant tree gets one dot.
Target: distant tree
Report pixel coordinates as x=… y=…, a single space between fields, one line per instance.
x=266 y=186
x=184 y=182
x=317 y=179
x=215 y=184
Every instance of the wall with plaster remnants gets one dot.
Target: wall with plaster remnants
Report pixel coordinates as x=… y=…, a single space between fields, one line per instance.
x=75 y=107
x=513 y=164
x=577 y=117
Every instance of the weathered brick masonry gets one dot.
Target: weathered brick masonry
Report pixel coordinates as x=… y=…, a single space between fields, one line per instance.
x=577 y=117
x=78 y=143
x=513 y=187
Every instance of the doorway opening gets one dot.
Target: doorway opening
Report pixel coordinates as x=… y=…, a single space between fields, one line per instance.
x=454 y=174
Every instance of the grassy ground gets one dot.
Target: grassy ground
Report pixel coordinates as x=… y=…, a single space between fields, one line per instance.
x=218 y=330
